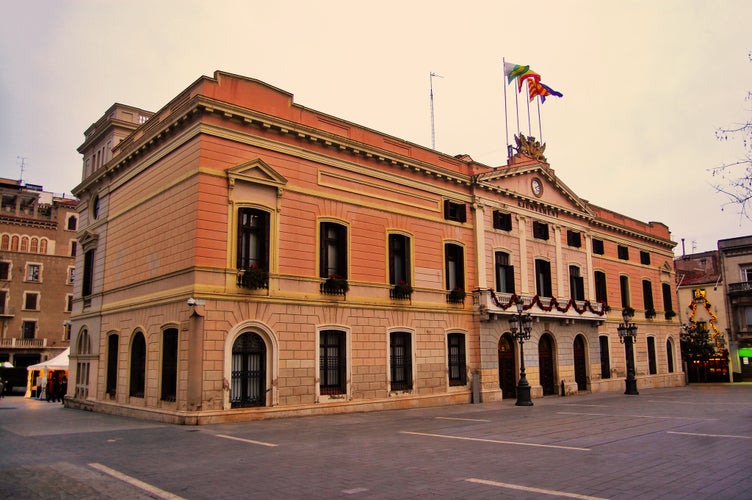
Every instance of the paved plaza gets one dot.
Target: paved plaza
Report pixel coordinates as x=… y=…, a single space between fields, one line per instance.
x=689 y=442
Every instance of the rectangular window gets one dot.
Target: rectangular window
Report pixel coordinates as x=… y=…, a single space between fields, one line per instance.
x=400 y=361
x=598 y=247
x=3 y=300
x=502 y=220
x=504 y=273
x=68 y=302
x=112 y=365
x=454 y=266
x=333 y=252
x=601 y=292
x=576 y=284
x=647 y=297
x=644 y=258
x=543 y=278
x=624 y=289
x=32 y=272
x=332 y=362
x=71 y=275
x=652 y=364
x=605 y=361
x=456 y=348
x=540 y=230
x=746 y=273
x=73 y=248
x=454 y=211
x=169 y=364
x=399 y=259
x=574 y=239
x=29 y=329
x=623 y=252
x=4 y=270
x=31 y=301
x=668 y=306
x=253 y=239
x=88 y=278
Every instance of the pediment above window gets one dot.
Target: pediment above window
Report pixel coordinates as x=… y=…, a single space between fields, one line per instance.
x=88 y=240
x=256 y=171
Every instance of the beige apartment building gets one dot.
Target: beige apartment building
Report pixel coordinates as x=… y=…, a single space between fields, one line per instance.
x=37 y=270
x=246 y=257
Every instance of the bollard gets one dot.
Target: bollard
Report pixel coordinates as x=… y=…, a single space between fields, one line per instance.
x=476 y=387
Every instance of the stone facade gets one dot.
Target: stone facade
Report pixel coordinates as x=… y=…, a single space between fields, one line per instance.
x=246 y=257
x=37 y=270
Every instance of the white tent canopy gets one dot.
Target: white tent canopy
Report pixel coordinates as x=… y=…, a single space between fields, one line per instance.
x=59 y=362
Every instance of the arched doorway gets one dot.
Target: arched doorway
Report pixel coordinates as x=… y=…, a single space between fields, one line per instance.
x=546 y=363
x=507 y=382
x=248 y=387
x=580 y=364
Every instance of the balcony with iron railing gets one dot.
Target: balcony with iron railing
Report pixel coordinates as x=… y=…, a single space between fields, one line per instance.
x=23 y=343
x=499 y=304
x=741 y=288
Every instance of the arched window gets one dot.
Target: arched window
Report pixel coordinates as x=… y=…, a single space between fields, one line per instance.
x=248 y=386
x=25 y=244
x=670 y=355
x=169 y=364
x=72 y=223
x=83 y=348
x=113 y=342
x=43 y=246
x=5 y=245
x=456 y=359
x=14 y=244
x=138 y=366
x=34 y=245
x=332 y=362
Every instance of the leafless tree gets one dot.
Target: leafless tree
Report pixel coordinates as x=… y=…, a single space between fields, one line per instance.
x=735 y=179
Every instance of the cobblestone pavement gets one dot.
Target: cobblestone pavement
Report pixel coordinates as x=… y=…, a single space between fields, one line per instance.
x=690 y=442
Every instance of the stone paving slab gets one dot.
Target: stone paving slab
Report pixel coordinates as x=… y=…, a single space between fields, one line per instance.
x=691 y=442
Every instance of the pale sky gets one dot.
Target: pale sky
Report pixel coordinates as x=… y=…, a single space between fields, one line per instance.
x=646 y=83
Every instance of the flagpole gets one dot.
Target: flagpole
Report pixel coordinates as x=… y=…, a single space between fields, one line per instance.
x=433 y=130
x=540 y=125
x=506 y=114
x=529 y=128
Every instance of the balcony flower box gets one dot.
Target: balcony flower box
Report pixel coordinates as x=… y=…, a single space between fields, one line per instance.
x=650 y=313
x=253 y=278
x=401 y=290
x=456 y=296
x=335 y=285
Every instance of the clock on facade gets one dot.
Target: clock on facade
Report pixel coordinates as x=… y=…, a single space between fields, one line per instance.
x=537 y=186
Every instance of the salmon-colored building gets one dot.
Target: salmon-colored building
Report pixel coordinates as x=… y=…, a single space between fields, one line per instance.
x=246 y=257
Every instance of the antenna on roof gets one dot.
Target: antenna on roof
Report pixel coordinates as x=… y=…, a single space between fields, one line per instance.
x=23 y=167
x=433 y=132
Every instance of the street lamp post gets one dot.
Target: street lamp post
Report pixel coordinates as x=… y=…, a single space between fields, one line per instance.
x=627 y=335
x=521 y=325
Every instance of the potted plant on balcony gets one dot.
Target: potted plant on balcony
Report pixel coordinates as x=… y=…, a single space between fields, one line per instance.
x=650 y=313
x=401 y=290
x=670 y=314
x=254 y=277
x=456 y=296
x=335 y=285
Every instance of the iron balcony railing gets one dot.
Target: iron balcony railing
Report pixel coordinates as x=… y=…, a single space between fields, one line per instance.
x=744 y=287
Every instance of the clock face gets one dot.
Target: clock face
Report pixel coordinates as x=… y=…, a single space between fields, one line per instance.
x=537 y=187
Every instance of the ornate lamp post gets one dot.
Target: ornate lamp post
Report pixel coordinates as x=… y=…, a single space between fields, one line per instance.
x=627 y=335
x=521 y=325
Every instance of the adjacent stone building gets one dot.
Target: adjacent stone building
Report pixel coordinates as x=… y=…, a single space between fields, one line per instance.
x=244 y=257
x=37 y=270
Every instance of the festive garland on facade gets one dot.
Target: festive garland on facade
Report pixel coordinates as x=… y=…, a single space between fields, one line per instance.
x=700 y=296
x=571 y=303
